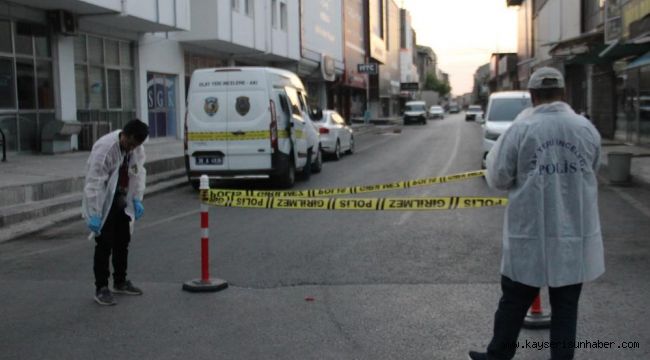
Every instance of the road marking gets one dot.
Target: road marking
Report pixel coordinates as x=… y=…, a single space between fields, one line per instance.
x=171 y=218
x=405 y=216
x=632 y=201
x=52 y=249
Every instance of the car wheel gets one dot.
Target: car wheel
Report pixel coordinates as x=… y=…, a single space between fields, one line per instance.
x=351 y=149
x=317 y=166
x=306 y=170
x=288 y=178
x=337 y=151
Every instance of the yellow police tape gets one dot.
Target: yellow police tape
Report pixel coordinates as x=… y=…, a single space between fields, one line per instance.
x=353 y=189
x=244 y=135
x=316 y=199
x=368 y=204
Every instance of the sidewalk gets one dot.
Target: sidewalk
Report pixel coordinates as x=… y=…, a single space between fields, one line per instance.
x=48 y=187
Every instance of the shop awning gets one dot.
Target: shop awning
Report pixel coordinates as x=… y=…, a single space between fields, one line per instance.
x=642 y=60
x=580 y=44
x=618 y=50
x=603 y=54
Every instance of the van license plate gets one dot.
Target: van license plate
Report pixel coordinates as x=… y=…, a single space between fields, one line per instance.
x=208 y=160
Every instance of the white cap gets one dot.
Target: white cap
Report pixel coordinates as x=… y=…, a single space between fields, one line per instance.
x=546 y=78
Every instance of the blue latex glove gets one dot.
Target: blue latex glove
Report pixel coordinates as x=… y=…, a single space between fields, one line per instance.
x=95 y=224
x=139 y=209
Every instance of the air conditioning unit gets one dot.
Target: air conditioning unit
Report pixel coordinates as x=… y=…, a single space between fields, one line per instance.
x=63 y=22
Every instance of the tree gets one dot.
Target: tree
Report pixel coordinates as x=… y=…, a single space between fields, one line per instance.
x=432 y=83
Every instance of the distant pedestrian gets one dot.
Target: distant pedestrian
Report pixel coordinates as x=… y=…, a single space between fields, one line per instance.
x=547 y=161
x=112 y=201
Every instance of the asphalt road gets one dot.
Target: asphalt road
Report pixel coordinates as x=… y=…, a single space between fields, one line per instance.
x=384 y=285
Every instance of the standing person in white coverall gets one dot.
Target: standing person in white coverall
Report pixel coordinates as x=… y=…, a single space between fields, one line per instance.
x=547 y=161
x=112 y=201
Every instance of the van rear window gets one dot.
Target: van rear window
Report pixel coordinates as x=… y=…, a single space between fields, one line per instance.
x=507 y=109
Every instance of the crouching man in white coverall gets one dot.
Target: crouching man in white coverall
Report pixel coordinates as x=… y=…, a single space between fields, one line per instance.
x=548 y=161
x=112 y=201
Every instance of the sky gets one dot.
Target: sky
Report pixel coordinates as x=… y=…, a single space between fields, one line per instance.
x=463 y=33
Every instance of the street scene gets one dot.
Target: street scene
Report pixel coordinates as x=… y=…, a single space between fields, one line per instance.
x=340 y=179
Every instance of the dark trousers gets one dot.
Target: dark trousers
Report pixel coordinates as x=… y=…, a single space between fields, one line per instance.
x=513 y=306
x=114 y=240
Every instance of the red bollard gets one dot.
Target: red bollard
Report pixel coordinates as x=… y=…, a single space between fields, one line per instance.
x=205 y=283
x=536 y=318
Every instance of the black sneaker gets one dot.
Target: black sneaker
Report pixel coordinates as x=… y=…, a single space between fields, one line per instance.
x=474 y=355
x=103 y=296
x=126 y=288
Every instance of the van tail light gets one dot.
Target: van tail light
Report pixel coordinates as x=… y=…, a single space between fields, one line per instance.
x=273 y=127
x=323 y=130
x=185 y=134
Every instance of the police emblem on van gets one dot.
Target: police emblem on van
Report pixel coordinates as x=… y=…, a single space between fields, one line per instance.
x=211 y=106
x=243 y=105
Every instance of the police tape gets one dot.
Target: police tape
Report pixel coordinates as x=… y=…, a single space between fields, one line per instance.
x=233 y=136
x=351 y=190
x=210 y=197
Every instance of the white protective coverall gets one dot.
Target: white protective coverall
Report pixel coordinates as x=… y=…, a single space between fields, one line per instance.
x=102 y=173
x=548 y=161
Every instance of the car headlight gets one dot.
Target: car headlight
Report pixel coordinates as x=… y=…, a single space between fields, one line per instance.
x=491 y=135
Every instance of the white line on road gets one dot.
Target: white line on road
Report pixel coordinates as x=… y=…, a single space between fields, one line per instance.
x=443 y=171
x=51 y=249
x=175 y=217
x=632 y=201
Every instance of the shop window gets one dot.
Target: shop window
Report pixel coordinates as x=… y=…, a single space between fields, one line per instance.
x=25 y=84
x=44 y=85
x=114 y=89
x=128 y=93
x=96 y=87
x=104 y=78
x=7 y=99
x=42 y=45
x=5 y=37
x=23 y=39
x=95 y=50
x=81 y=81
x=80 y=49
x=8 y=126
x=112 y=52
x=126 y=57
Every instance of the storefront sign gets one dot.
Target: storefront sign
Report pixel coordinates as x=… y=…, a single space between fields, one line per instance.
x=371 y=68
x=410 y=86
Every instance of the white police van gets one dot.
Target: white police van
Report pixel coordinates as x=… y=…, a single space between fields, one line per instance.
x=249 y=122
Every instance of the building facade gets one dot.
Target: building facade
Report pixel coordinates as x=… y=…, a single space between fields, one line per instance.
x=354 y=84
x=71 y=68
x=74 y=70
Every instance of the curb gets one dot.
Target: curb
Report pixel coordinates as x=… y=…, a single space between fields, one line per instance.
x=24 y=229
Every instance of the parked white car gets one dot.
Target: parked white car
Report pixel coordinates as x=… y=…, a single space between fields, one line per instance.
x=415 y=111
x=436 y=112
x=503 y=108
x=336 y=136
x=473 y=112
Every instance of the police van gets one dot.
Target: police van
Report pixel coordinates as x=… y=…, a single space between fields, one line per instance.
x=247 y=123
